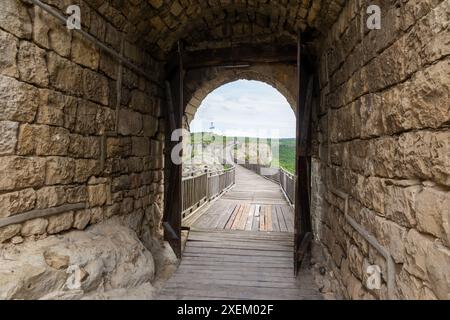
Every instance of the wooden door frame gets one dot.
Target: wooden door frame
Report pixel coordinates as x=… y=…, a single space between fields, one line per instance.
x=305 y=85
x=173 y=195
x=173 y=173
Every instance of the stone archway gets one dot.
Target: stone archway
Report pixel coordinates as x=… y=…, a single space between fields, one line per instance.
x=200 y=83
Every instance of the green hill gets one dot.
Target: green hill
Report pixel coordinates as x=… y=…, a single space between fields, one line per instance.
x=286 y=155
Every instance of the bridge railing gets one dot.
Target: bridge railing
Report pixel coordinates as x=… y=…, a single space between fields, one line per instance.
x=200 y=189
x=287 y=183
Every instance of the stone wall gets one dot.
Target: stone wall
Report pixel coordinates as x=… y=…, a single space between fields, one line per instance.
x=383 y=138
x=75 y=126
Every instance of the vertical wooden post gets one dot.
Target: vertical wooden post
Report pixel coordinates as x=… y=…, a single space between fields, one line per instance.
x=224 y=149
x=173 y=193
x=247 y=150
x=235 y=150
x=192 y=147
x=298 y=208
x=257 y=151
x=303 y=227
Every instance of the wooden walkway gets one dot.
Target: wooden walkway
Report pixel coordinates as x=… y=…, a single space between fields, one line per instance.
x=253 y=204
x=241 y=247
x=239 y=265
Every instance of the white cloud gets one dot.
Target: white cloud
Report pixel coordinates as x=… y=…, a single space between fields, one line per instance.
x=250 y=107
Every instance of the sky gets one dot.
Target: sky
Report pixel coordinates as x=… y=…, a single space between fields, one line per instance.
x=246 y=108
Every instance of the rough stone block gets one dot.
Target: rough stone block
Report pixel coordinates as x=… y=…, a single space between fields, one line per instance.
x=9 y=232
x=59 y=170
x=432 y=211
x=84 y=147
x=86 y=168
x=8 y=137
x=97 y=215
x=32 y=64
x=140 y=102
x=400 y=204
x=60 y=222
x=96 y=87
x=23 y=172
x=81 y=219
x=392 y=236
x=86 y=117
x=43 y=140
x=14 y=18
x=425 y=155
x=48 y=197
x=84 y=52
x=130 y=122
x=34 y=227
x=105 y=119
x=8 y=48
x=429 y=261
x=421 y=102
x=372 y=109
x=140 y=146
x=17 y=202
x=97 y=195
x=19 y=100
x=76 y=194
x=65 y=75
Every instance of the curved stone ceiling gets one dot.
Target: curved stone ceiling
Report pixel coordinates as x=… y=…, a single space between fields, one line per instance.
x=159 y=24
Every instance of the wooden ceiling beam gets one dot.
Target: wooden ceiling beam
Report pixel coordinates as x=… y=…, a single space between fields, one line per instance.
x=240 y=55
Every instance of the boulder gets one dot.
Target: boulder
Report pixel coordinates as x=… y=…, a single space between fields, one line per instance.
x=106 y=261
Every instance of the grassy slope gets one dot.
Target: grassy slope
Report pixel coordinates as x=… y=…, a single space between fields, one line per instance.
x=287 y=155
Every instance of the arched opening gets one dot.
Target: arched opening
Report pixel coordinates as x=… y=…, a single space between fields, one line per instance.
x=236 y=110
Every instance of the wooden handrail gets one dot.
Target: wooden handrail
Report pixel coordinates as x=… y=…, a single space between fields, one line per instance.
x=199 y=190
x=288 y=173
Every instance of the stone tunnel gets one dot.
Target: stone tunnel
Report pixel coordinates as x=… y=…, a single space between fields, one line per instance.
x=83 y=135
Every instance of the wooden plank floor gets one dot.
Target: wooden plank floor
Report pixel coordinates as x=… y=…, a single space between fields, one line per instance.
x=235 y=215
x=239 y=265
x=254 y=204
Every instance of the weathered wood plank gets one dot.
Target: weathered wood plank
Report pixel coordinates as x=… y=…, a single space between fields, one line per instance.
x=232 y=217
x=247 y=244
x=281 y=221
x=241 y=292
x=218 y=258
x=223 y=272
x=237 y=218
x=222 y=221
x=251 y=215
x=288 y=217
x=269 y=225
x=186 y=280
x=239 y=252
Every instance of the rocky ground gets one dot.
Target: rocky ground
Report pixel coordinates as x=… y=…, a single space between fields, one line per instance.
x=106 y=261
x=203 y=159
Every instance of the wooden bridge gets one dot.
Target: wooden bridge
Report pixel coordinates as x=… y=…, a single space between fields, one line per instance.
x=241 y=246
